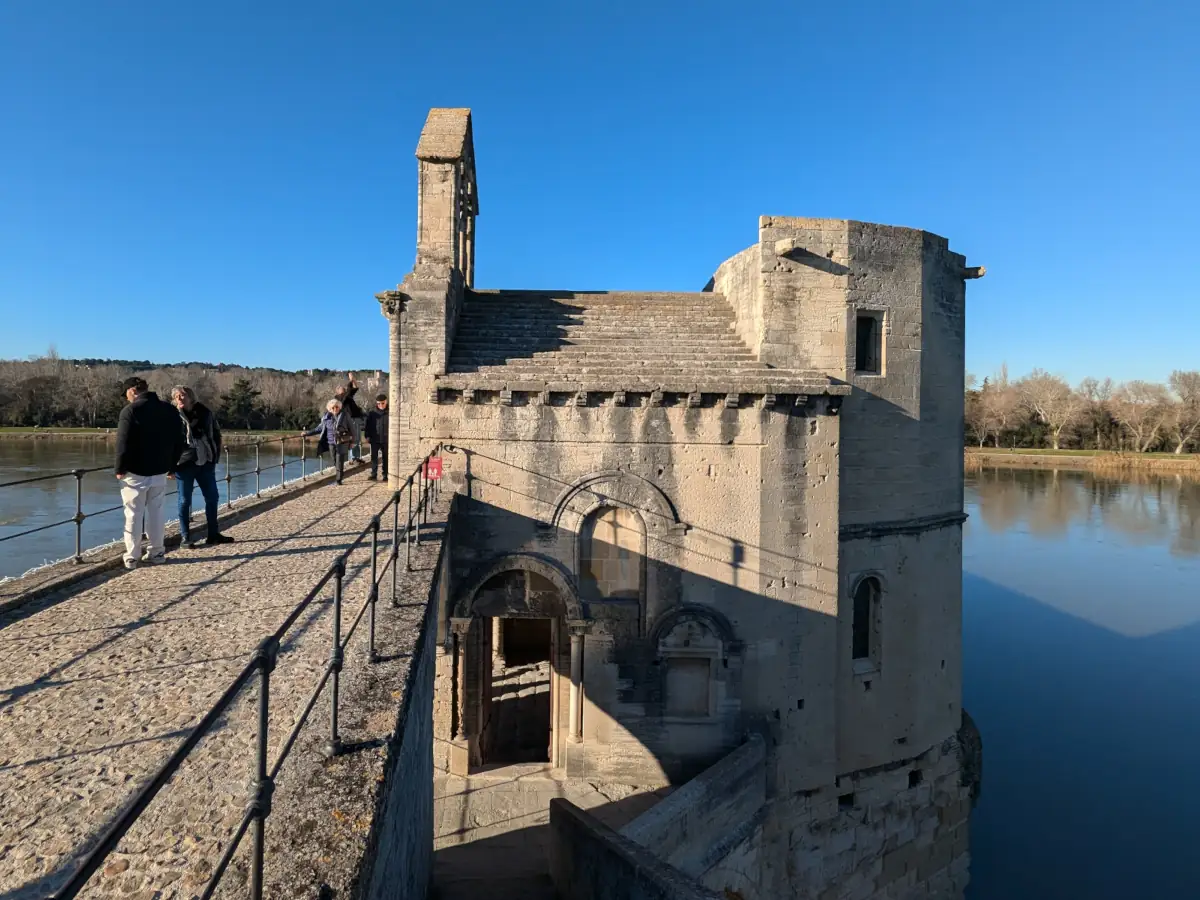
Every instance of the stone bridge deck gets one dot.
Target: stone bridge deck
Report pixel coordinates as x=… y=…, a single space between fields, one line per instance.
x=99 y=683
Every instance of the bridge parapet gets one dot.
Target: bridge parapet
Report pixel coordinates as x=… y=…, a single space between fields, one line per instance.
x=206 y=727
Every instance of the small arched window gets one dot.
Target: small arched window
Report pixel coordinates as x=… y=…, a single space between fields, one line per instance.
x=865 y=621
x=611 y=553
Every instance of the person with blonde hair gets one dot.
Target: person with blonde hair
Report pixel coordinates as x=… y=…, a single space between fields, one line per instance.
x=336 y=434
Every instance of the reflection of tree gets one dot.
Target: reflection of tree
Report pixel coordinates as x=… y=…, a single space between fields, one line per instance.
x=1001 y=500
x=1144 y=508
x=1061 y=501
x=1187 y=517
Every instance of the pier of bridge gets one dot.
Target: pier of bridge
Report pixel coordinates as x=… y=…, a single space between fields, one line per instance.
x=101 y=681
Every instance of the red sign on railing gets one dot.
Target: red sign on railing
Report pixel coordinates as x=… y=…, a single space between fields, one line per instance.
x=433 y=468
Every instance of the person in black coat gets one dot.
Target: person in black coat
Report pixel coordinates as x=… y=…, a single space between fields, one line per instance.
x=150 y=440
x=377 y=435
x=198 y=465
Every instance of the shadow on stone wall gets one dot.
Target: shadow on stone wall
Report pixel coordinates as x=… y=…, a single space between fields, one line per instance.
x=674 y=678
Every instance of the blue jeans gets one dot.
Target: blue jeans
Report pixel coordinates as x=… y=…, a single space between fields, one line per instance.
x=188 y=477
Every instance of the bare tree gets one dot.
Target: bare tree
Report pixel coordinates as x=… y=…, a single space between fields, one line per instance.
x=1183 y=414
x=1051 y=399
x=1000 y=405
x=1139 y=406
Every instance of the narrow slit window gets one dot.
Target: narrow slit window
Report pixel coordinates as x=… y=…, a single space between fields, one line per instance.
x=866 y=604
x=868 y=344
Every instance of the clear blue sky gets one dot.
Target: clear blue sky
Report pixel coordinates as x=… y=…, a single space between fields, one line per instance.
x=233 y=181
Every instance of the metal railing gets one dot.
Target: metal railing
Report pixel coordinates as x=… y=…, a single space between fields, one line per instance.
x=78 y=474
x=262 y=663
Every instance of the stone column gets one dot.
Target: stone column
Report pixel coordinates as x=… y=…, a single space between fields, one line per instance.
x=469 y=271
x=461 y=629
x=498 y=640
x=575 y=716
x=392 y=306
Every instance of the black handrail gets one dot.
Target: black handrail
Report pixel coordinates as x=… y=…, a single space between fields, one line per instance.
x=263 y=662
x=80 y=516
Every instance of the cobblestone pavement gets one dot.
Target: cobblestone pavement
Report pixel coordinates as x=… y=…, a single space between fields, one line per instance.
x=99 y=683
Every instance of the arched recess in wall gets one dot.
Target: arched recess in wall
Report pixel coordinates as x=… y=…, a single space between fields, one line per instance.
x=695 y=655
x=548 y=569
x=619 y=488
x=611 y=555
x=647 y=520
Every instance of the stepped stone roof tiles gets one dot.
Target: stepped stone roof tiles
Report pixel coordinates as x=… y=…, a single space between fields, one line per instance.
x=611 y=341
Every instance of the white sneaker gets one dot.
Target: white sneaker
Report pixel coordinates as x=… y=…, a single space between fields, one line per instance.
x=131 y=564
x=155 y=560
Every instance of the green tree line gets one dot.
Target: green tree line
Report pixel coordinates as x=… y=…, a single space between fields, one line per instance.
x=48 y=391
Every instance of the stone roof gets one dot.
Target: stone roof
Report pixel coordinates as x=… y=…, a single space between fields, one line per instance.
x=611 y=341
x=446 y=135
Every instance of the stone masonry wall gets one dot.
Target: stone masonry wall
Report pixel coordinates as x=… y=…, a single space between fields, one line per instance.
x=700 y=823
x=739 y=280
x=714 y=538
x=401 y=865
x=589 y=861
x=892 y=833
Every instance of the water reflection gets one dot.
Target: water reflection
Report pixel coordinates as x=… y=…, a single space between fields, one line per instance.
x=1081 y=664
x=1144 y=508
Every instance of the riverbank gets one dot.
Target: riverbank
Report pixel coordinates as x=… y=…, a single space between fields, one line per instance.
x=1092 y=460
x=232 y=438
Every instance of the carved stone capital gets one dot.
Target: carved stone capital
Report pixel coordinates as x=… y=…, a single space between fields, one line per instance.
x=579 y=627
x=460 y=626
x=392 y=303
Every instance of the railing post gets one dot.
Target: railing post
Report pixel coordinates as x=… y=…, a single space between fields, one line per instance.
x=257 y=468
x=303 y=459
x=79 y=516
x=408 y=528
x=420 y=500
x=228 y=481
x=395 y=545
x=334 y=747
x=425 y=497
x=373 y=597
x=266 y=656
x=282 y=462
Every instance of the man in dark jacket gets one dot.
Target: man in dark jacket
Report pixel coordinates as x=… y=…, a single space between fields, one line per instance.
x=345 y=394
x=198 y=465
x=377 y=435
x=150 y=441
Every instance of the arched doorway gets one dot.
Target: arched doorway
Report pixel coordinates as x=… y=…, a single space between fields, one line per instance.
x=519 y=613
x=518 y=664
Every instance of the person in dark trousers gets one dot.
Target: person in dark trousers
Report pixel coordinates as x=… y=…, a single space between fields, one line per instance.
x=345 y=394
x=377 y=435
x=336 y=435
x=198 y=465
x=150 y=439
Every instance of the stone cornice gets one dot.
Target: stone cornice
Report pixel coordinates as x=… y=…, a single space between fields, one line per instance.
x=901 y=526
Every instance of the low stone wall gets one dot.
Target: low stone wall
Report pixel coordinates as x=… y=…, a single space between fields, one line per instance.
x=589 y=861
x=719 y=810
x=398 y=863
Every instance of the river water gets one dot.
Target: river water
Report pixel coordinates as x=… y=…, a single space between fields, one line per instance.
x=1081 y=656
x=1081 y=646
x=42 y=502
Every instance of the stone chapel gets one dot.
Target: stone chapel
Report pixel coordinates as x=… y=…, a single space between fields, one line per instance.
x=685 y=521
